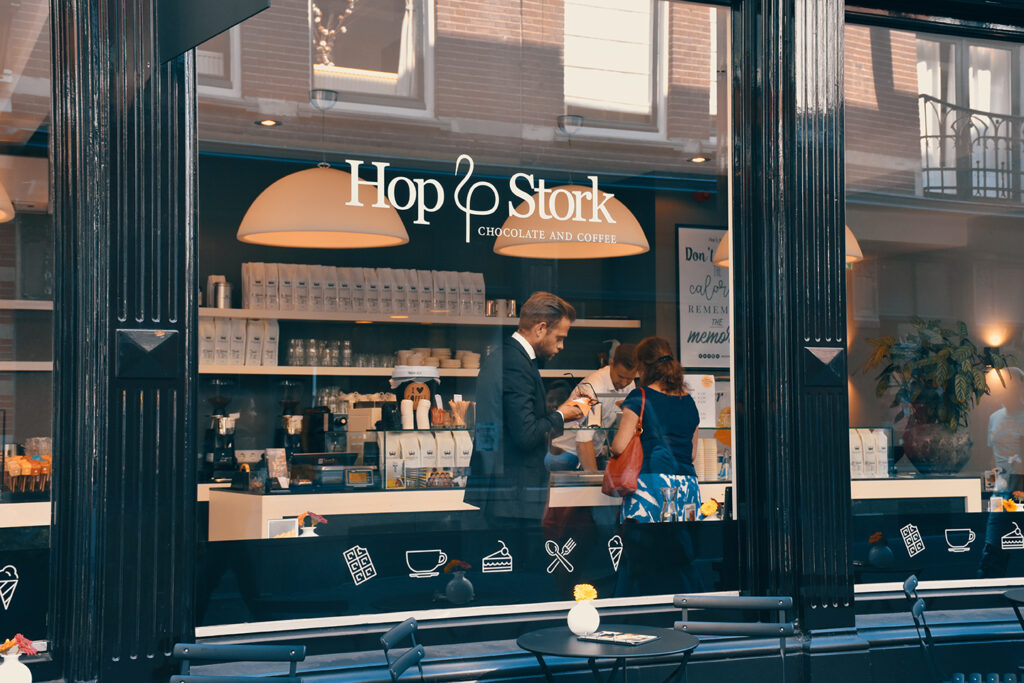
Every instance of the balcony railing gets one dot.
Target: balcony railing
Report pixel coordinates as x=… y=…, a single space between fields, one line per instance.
x=969 y=154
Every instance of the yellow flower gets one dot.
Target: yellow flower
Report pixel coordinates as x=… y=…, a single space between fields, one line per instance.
x=1009 y=505
x=709 y=507
x=584 y=591
x=8 y=644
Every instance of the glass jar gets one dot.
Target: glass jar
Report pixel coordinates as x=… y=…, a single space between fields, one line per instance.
x=296 y=352
x=311 y=352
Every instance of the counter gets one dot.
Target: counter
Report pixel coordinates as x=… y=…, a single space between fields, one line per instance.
x=236 y=515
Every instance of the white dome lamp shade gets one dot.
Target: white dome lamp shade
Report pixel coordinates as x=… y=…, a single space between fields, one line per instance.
x=310 y=209
x=6 y=207
x=853 y=251
x=567 y=232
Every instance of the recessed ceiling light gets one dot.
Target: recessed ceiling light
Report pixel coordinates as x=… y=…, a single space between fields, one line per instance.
x=267 y=123
x=698 y=160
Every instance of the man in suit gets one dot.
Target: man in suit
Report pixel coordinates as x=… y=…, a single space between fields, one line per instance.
x=508 y=480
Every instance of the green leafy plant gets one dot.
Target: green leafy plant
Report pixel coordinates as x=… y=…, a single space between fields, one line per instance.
x=937 y=369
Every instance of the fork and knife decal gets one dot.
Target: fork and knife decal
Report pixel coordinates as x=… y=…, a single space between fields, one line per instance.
x=561 y=555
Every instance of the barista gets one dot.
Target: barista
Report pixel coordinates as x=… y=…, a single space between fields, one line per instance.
x=577 y=448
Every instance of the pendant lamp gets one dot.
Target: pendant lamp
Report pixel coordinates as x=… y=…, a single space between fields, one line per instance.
x=310 y=208
x=6 y=207
x=566 y=231
x=853 y=251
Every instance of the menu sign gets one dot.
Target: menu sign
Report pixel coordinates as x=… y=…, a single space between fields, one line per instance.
x=702 y=389
x=703 y=300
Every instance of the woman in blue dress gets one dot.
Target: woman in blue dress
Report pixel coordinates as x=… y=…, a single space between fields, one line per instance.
x=659 y=557
x=669 y=434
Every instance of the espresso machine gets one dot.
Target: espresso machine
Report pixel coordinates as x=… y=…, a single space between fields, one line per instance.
x=219 y=440
x=324 y=431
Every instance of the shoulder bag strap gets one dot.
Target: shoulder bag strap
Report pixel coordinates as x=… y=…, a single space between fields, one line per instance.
x=643 y=403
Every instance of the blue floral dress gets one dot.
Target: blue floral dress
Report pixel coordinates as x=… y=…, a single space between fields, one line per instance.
x=669 y=423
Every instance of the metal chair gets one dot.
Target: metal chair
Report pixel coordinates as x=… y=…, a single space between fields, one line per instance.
x=924 y=633
x=191 y=652
x=414 y=655
x=780 y=628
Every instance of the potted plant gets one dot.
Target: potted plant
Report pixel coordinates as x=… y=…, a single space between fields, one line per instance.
x=938 y=375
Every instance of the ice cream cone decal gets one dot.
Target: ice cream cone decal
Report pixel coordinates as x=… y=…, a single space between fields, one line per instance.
x=8 y=584
x=615 y=551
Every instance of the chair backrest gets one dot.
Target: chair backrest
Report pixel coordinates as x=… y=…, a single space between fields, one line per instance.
x=779 y=604
x=403 y=662
x=192 y=652
x=230 y=679
x=924 y=632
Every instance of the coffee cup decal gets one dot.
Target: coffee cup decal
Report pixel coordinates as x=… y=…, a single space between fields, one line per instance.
x=423 y=564
x=959 y=540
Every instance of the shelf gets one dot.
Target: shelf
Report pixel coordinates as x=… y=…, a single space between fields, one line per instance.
x=25 y=305
x=26 y=366
x=310 y=371
x=422 y=319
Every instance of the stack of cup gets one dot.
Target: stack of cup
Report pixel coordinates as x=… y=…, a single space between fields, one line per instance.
x=469 y=359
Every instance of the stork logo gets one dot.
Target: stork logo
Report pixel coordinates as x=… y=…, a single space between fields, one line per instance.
x=482 y=198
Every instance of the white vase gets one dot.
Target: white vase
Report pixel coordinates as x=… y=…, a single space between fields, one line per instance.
x=307 y=531
x=583 y=618
x=14 y=671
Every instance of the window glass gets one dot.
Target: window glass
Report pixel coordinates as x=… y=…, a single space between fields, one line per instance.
x=26 y=309
x=370 y=48
x=610 y=63
x=936 y=400
x=373 y=439
x=217 y=67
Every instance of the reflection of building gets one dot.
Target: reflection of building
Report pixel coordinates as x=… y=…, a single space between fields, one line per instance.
x=446 y=68
x=502 y=73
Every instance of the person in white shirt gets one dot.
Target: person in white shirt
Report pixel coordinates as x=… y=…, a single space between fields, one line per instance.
x=1006 y=438
x=577 y=448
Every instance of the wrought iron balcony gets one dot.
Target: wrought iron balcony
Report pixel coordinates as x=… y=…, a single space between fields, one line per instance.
x=969 y=154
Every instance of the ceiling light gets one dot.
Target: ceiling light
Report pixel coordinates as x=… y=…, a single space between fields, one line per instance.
x=267 y=123
x=6 y=207
x=853 y=250
x=698 y=160
x=566 y=237
x=310 y=209
x=721 y=257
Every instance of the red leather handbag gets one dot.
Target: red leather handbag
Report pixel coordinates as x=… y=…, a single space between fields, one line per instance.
x=621 y=473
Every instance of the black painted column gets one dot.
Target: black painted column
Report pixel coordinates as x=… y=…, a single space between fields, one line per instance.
x=790 y=308
x=123 y=534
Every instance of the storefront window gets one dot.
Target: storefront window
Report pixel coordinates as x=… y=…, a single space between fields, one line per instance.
x=26 y=313
x=936 y=393
x=373 y=438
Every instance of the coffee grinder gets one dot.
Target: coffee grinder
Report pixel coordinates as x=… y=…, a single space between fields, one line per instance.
x=219 y=440
x=289 y=431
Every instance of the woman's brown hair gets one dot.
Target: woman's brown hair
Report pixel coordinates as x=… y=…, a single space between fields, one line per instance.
x=656 y=363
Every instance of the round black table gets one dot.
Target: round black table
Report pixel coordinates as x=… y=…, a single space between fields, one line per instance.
x=559 y=641
x=1016 y=598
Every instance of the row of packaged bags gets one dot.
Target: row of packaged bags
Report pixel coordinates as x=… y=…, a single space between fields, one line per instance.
x=869 y=454
x=237 y=341
x=404 y=451
x=284 y=286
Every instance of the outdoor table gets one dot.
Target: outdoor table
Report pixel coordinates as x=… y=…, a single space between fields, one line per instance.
x=559 y=641
x=1016 y=598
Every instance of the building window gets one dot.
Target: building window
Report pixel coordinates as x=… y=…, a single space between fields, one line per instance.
x=611 y=67
x=970 y=120
x=374 y=52
x=218 y=65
